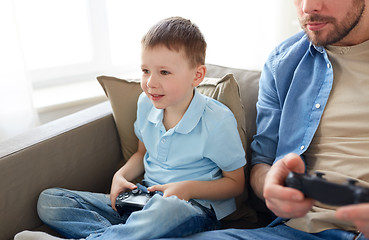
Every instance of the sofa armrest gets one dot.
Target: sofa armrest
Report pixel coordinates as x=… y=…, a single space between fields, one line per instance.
x=80 y=151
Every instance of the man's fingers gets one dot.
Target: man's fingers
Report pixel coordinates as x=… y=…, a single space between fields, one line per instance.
x=282 y=193
x=294 y=163
x=357 y=212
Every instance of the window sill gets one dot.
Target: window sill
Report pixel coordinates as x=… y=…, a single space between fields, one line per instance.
x=79 y=92
x=67 y=95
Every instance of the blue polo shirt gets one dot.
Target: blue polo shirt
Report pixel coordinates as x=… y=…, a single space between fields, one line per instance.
x=199 y=147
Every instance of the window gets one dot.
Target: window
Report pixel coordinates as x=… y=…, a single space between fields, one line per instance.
x=69 y=42
x=55 y=37
x=239 y=33
x=64 y=44
x=70 y=39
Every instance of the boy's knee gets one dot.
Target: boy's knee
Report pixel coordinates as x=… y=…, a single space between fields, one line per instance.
x=47 y=196
x=43 y=203
x=49 y=201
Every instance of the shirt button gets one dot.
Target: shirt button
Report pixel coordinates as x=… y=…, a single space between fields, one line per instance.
x=328 y=65
x=302 y=147
x=164 y=140
x=317 y=105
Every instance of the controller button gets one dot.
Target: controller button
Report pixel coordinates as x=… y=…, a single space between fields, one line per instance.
x=352 y=181
x=319 y=174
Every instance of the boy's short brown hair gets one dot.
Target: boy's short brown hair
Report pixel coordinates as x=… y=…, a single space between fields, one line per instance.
x=177 y=33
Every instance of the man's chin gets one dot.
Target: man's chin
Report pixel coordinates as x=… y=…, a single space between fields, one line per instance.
x=318 y=38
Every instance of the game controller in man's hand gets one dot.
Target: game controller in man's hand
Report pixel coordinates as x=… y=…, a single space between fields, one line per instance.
x=326 y=192
x=133 y=200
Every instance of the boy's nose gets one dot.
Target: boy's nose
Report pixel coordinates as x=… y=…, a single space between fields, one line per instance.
x=151 y=82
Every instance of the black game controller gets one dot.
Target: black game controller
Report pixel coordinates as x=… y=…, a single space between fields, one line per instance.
x=329 y=193
x=133 y=200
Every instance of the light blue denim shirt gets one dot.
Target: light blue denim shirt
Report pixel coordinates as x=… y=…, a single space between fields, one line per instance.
x=293 y=91
x=199 y=147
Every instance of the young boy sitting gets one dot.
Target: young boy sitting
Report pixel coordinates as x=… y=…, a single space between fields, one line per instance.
x=189 y=149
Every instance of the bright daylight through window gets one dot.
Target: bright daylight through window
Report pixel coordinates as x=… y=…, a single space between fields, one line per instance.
x=61 y=46
x=70 y=37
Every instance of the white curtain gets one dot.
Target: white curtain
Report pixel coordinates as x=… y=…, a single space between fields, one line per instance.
x=16 y=109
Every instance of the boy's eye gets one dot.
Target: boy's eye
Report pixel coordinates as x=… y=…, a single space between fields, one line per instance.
x=145 y=71
x=163 y=72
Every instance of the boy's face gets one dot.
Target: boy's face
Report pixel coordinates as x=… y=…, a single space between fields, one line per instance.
x=167 y=78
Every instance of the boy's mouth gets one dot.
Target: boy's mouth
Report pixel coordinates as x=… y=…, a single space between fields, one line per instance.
x=156 y=97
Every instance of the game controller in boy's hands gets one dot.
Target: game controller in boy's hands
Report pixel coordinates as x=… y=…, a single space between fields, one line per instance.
x=133 y=200
x=326 y=192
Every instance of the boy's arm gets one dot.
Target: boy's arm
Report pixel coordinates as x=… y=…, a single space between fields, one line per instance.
x=230 y=185
x=133 y=168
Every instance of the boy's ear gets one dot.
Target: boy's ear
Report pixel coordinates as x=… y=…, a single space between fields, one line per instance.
x=199 y=76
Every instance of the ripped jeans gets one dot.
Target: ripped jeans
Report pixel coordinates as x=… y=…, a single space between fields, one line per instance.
x=77 y=214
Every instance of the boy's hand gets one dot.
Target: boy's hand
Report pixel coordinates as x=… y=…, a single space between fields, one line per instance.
x=179 y=189
x=119 y=185
x=131 y=169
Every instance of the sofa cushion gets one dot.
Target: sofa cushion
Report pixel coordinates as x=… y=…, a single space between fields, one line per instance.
x=123 y=95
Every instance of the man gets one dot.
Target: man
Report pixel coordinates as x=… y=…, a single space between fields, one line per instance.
x=313 y=108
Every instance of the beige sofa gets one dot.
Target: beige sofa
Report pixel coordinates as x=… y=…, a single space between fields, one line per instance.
x=82 y=151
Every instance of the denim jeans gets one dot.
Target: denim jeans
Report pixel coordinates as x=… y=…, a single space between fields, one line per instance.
x=76 y=214
x=274 y=231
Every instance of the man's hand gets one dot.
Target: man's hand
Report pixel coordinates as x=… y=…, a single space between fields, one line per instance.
x=284 y=201
x=358 y=214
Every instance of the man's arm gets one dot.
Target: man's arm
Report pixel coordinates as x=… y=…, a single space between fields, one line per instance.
x=257 y=178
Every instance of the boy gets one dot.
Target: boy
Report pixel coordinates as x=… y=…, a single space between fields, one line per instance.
x=189 y=149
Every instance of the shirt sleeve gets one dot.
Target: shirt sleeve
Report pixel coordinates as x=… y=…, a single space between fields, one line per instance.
x=264 y=145
x=224 y=146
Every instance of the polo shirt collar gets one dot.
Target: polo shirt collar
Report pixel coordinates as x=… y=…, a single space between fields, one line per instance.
x=189 y=120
